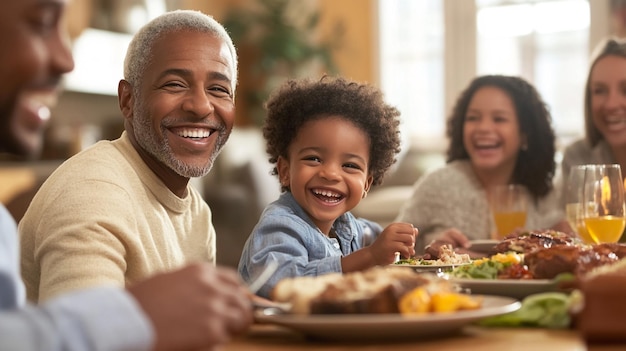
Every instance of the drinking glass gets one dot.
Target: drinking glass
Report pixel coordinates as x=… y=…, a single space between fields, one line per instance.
x=603 y=194
x=509 y=204
x=574 y=202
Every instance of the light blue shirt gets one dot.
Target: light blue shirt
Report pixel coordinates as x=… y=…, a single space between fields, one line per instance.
x=104 y=318
x=286 y=234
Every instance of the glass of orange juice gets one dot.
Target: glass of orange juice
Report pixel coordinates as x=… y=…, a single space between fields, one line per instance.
x=574 y=202
x=509 y=205
x=603 y=194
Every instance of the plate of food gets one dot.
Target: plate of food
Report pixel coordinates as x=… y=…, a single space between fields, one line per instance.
x=502 y=275
x=379 y=303
x=448 y=260
x=391 y=326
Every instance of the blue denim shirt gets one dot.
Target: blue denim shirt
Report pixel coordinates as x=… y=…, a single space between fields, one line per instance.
x=286 y=234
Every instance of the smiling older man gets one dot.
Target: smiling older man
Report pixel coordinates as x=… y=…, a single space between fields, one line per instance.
x=182 y=309
x=123 y=210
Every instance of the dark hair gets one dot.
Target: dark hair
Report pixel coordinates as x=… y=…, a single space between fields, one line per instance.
x=299 y=101
x=608 y=47
x=535 y=164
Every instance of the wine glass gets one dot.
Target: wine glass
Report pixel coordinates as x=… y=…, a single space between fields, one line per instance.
x=574 y=202
x=604 y=209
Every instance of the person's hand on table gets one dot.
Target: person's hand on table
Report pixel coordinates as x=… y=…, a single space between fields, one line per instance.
x=454 y=238
x=197 y=307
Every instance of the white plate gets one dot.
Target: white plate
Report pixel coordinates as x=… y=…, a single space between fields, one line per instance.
x=389 y=326
x=484 y=246
x=431 y=267
x=515 y=288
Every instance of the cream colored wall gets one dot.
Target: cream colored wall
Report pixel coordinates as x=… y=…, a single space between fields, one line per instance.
x=356 y=57
x=215 y=8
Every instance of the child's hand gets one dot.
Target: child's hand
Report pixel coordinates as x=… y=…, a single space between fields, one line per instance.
x=397 y=237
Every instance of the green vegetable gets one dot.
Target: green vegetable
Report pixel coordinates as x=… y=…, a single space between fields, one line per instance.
x=565 y=277
x=414 y=262
x=484 y=270
x=546 y=310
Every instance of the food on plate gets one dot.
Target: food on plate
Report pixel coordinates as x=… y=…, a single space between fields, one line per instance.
x=499 y=266
x=447 y=256
x=529 y=241
x=376 y=290
x=607 y=248
x=542 y=263
x=424 y=300
x=578 y=260
x=542 y=254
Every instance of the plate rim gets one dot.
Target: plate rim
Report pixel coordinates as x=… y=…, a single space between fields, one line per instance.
x=515 y=288
x=433 y=266
x=392 y=323
x=505 y=282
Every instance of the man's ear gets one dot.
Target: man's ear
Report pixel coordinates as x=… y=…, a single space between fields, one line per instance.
x=125 y=98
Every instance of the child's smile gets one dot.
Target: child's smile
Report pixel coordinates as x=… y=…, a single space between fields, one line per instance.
x=327 y=196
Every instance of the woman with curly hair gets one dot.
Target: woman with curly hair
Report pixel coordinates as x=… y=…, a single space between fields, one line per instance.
x=330 y=140
x=500 y=133
x=605 y=111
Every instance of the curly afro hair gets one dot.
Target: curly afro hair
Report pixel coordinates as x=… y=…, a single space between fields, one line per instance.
x=297 y=102
x=535 y=165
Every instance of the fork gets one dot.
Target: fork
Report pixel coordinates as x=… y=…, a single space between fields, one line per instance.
x=267 y=307
x=270 y=269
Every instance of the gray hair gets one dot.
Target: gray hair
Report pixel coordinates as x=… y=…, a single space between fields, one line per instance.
x=139 y=52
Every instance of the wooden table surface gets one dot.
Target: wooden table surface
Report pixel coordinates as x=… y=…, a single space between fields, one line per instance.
x=264 y=337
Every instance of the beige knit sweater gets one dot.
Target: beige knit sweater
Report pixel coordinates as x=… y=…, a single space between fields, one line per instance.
x=104 y=218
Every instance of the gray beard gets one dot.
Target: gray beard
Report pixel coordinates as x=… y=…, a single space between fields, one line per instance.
x=161 y=150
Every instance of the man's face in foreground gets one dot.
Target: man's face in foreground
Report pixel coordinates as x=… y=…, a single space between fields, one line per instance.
x=34 y=54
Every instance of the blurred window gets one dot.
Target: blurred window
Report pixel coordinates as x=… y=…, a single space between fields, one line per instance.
x=412 y=65
x=544 y=41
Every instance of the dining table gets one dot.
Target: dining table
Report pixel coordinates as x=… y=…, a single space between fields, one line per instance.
x=262 y=337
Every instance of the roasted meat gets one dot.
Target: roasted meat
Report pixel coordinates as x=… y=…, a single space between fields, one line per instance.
x=526 y=242
x=375 y=290
x=549 y=262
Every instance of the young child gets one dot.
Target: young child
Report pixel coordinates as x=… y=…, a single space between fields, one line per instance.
x=331 y=141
